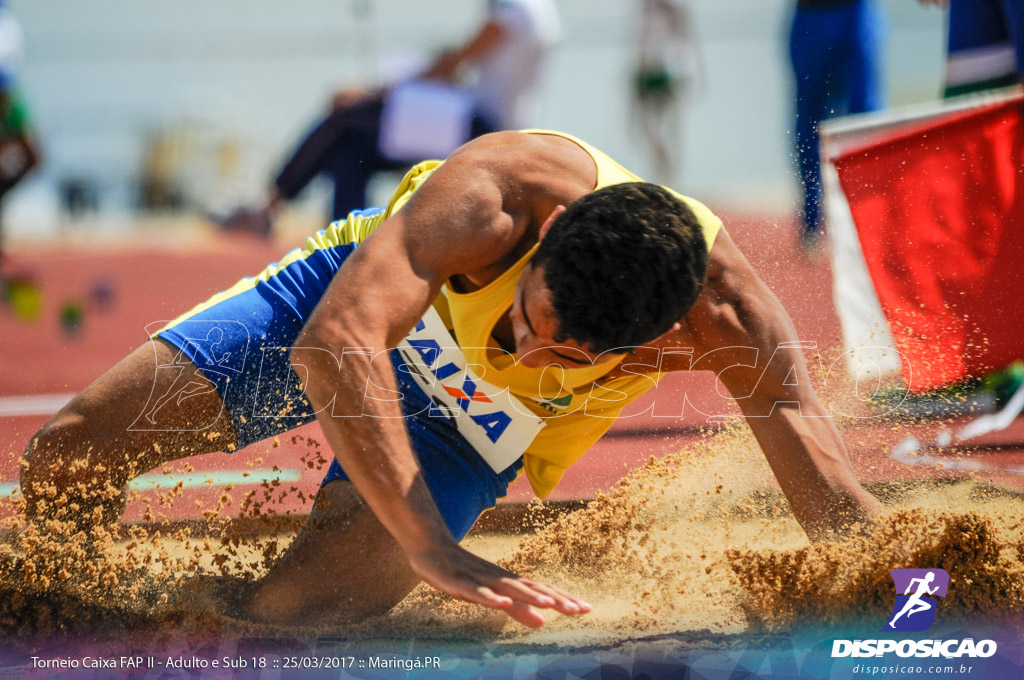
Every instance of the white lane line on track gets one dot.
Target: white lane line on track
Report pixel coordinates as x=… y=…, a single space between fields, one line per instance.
x=192 y=480
x=33 y=404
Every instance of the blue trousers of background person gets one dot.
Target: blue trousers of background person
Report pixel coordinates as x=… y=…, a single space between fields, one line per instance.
x=344 y=147
x=837 y=48
x=986 y=45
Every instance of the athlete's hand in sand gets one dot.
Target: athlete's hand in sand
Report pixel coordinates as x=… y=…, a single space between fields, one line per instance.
x=458 y=572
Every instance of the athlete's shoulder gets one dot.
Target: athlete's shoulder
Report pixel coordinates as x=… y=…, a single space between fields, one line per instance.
x=529 y=162
x=516 y=141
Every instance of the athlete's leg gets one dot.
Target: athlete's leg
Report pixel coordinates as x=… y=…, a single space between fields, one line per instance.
x=217 y=377
x=343 y=566
x=198 y=388
x=153 y=407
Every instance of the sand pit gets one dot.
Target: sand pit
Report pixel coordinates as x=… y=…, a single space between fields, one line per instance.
x=692 y=548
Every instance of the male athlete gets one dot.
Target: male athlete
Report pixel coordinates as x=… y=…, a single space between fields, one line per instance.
x=532 y=288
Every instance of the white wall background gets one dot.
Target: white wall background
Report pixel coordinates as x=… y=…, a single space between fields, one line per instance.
x=103 y=76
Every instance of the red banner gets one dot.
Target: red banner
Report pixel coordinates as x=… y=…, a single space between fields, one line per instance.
x=940 y=219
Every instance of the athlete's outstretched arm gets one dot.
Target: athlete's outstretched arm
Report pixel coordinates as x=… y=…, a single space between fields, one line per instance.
x=742 y=333
x=454 y=222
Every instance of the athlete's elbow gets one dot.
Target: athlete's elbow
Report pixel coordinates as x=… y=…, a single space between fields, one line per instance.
x=322 y=350
x=312 y=336
x=329 y=336
x=318 y=367
x=314 y=353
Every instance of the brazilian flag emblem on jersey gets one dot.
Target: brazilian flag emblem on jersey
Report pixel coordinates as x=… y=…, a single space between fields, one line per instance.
x=557 y=404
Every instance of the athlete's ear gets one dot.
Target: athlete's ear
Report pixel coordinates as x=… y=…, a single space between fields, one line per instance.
x=559 y=209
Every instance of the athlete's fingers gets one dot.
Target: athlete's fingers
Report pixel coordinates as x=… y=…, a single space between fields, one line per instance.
x=487 y=597
x=526 y=615
x=558 y=602
x=517 y=611
x=521 y=591
x=544 y=595
x=514 y=597
x=565 y=602
x=473 y=579
x=511 y=594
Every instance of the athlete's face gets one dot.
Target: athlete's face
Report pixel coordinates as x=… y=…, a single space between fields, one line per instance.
x=534 y=326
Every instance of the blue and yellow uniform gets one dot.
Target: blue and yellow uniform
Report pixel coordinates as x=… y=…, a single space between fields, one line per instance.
x=240 y=340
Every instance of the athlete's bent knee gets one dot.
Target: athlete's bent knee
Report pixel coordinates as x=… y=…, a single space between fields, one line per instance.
x=57 y=466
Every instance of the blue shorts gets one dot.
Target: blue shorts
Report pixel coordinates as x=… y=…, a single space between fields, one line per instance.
x=240 y=340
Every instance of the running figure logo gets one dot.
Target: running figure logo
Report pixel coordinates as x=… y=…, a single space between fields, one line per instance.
x=915 y=604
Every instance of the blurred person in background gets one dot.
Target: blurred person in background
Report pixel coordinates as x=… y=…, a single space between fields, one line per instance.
x=19 y=152
x=668 y=69
x=506 y=56
x=985 y=46
x=837 y=52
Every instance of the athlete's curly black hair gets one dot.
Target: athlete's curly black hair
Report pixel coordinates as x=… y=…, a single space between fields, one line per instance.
x=623 y=265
